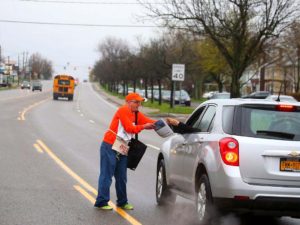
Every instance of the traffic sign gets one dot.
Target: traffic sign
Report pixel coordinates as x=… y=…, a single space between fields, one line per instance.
x=178 y=72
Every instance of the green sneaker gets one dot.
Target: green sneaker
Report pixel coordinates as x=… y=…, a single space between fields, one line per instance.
x=106 y=207
x=127 y=207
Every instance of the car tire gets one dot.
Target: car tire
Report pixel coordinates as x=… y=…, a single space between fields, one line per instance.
x=163 y=195
x=204 y=208
x=187 y=103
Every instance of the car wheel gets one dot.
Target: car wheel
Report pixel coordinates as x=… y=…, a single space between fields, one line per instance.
x=204 y=200
x=163 y=194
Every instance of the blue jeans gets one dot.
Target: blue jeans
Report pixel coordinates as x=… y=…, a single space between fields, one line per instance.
x=111 y=166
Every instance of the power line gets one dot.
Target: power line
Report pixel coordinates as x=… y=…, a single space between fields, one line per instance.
x=79 y=24
x=91 y=2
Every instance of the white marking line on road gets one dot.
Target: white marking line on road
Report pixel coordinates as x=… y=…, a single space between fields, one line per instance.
x=92 y=121
x=30 y=107
x=81 y=115
x=78 y=111
x=152 y=146
x=102 y=99
x=38 y=148
x=85 y=184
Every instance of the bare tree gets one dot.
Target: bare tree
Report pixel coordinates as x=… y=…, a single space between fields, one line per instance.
x=110 y=67
x=239 y=28
x=41 y=68
x=292 y=49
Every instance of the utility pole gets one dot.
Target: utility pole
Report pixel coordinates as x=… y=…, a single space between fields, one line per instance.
x=0 y=54
x=18 y=72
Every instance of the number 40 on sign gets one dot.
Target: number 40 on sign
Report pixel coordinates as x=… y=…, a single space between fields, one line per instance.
x=178 y=72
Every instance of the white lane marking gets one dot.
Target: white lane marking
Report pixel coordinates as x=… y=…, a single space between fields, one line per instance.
x=81 y=115
x=92 y=121
x=154 y=147
x=102 y=99
x=78 y=111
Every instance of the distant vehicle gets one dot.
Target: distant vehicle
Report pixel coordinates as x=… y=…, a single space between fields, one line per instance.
x=258 y=95
x=282 y=98
x=3 y=80
x=140 y=92
x=244 y=157
x=85 y=80
x=130 y=90
x=63 y=86
x=76 y=81
x=37 y=85
x=165 y=95
x=182 y=97
x=25 y=84
x=220 y=95
x=208 y=94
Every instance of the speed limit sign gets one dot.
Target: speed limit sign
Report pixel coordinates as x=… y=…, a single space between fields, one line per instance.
x=178 y=72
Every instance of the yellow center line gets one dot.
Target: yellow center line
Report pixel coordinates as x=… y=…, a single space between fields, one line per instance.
x=85 y=184
x=22 y=117
x=38 y=148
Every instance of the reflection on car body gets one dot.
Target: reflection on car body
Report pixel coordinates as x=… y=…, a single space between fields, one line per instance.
x=282 y=98
x=245 y=159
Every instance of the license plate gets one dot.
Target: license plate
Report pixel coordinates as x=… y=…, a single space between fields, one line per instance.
x=290 y=165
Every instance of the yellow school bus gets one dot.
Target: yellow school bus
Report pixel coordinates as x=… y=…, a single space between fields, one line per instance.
x=63 y=86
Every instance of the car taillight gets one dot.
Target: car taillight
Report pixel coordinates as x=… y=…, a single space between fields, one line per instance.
x=286 y=108
x=229 y=149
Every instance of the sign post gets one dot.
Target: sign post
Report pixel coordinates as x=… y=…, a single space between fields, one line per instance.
x=178 y=73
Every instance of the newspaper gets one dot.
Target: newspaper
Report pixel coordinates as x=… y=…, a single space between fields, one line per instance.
x=162 y=128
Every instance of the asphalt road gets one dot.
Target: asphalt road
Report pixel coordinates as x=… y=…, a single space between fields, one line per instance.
x=49 y=163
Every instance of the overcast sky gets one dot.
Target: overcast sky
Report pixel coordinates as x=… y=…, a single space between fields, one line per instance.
x=76 y=45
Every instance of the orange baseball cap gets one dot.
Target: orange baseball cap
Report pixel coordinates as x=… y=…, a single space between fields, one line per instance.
x=135 y=97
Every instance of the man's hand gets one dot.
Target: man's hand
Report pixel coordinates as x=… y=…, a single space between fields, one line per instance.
x=172 y=121
x=149 y=126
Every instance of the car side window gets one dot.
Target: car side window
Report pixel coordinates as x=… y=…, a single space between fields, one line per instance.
x=196 y=117
x=207 y=120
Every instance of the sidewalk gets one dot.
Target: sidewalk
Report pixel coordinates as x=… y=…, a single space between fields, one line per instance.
x=146 y=110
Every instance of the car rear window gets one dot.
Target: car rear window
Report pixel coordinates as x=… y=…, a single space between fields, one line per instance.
x=63 y=82
x=269 y=121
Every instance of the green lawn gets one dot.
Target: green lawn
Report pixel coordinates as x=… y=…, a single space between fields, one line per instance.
x=165 y=108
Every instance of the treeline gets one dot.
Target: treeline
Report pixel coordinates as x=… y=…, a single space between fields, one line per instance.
x=217 y=42
x=150 y=65
x=40 y=67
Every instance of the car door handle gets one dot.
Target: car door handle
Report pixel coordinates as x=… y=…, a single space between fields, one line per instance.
x=184 y=143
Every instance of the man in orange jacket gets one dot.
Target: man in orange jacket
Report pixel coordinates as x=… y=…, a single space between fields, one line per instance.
x=114 y=164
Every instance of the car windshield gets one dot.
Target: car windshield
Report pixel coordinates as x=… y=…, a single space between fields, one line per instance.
x=270 y=122
x=181 y=93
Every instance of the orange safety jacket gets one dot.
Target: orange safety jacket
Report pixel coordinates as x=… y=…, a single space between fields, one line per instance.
x=127 y=119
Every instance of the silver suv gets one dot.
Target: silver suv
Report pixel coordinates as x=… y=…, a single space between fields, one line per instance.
x=245 y=159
